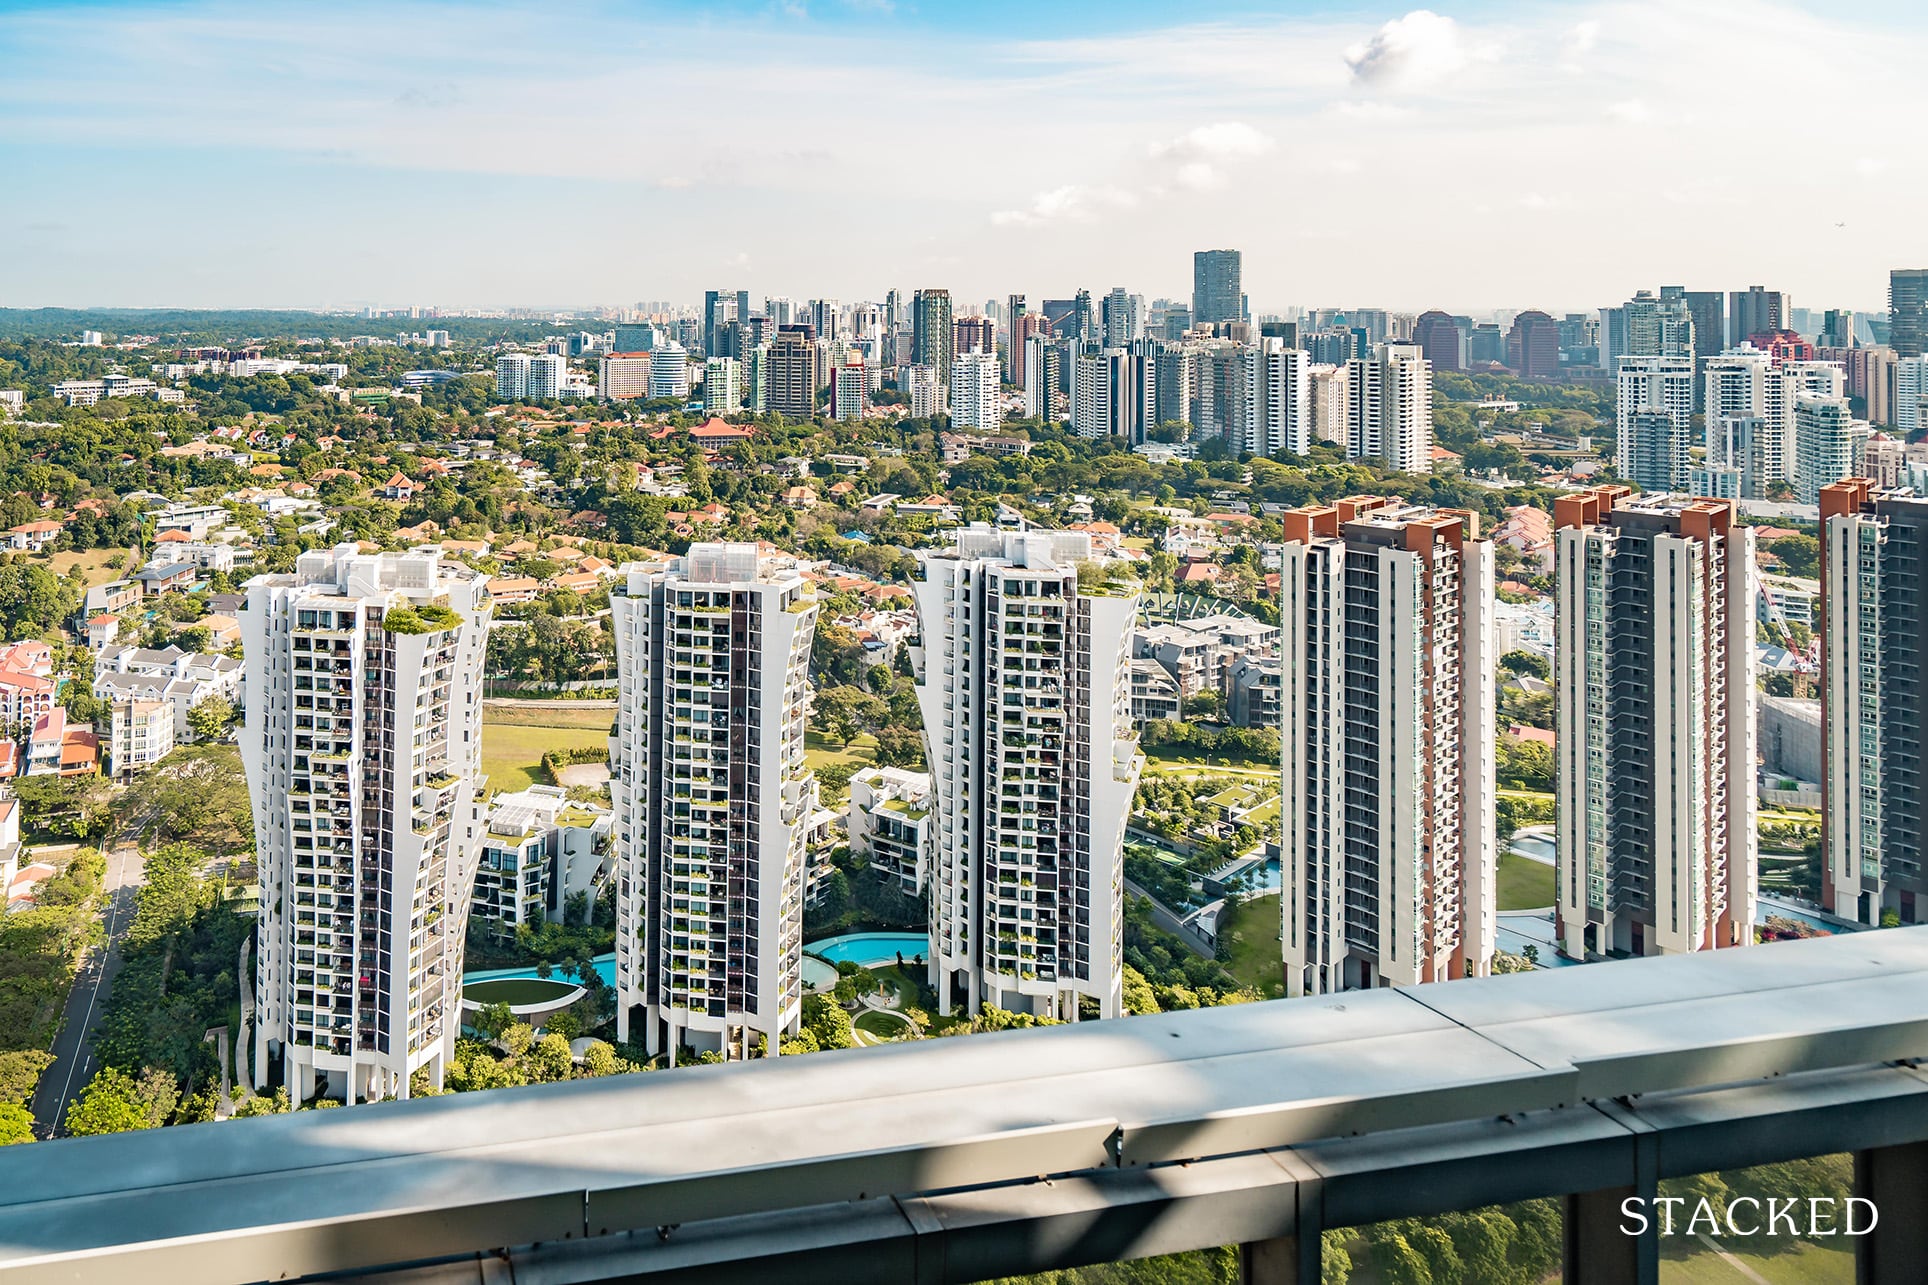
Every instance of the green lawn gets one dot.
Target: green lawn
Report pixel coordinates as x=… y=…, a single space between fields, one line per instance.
x=820 y=751
x=1252 y=936
x=885 y=1026
x=1804 y=1264
x=517 y=990
x=1524 y=884
x=1175 y=760
x=512 y=750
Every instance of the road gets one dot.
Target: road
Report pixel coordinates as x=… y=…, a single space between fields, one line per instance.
x=73 y=1063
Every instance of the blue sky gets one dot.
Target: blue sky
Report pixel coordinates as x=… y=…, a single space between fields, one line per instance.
x=1475 y=156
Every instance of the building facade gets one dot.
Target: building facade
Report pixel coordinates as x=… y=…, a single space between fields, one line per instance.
x=1025 y=691
x=1874 y=711
x=1389 y=862
x=933 y=336
x=1389 y=408
x=1654 y=661
x=1654 y=415
x=1217 y=295
x=711 y=797
x=362 y=748
x=976 y=404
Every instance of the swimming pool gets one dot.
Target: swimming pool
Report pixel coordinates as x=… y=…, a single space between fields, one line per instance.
x=870 y=948
x=605 y=969
x=1535 y=846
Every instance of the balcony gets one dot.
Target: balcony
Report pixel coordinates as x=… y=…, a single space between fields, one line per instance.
x=1261 y=1125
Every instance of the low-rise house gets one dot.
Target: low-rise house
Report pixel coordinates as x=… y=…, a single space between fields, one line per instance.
x=197 y=521
x=1255 y=691
x=173 y=577
x=112 y=598
x=514 y=589
x=34 y=536
x=200 y=554
x=539 y=850
x=141 y=734
x=889 y=816
x=28 y=686
x=1154 y=692
x=183 y=679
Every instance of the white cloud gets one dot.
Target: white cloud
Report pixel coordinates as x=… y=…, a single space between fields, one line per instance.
x=1417 y=51
x=1072 y=203
x=1870 y=165
x=1198 y=158
x=1583 y=37
x=1633 y=111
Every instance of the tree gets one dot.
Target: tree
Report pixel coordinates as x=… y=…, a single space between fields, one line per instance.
x=111 y=1103
x=1525 y=662
x=16 y=1124
x=209 y=719
x=491 y=1020
x=1800 y=554
x=549 y=1059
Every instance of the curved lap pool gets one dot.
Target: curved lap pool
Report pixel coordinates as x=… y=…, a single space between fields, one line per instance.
x=871 y=948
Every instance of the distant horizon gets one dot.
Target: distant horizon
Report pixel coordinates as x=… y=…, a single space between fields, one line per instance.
x=176 y=153
x=962 y=307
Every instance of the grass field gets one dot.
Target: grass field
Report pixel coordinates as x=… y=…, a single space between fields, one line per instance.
x=1252 y=935
x=517 y=990
x=1169 y=759
x=514 y=739
x=884 y=1026
x=92 y=564
x=1524 y=884
x=1806 y=1264
x=820 y=751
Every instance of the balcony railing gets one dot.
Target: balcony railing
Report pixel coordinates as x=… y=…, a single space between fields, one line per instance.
x=1261 y=1125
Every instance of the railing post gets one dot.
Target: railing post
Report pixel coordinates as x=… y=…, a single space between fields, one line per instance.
x=1896 y=1180
x=1288 y=1260
x=1598 y=1251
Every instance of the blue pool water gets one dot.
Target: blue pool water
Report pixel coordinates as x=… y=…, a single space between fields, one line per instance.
x=605 y=968
x=1537 y=846
x=870 y=948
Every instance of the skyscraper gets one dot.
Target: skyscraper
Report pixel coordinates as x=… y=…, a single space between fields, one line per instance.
x=1042 y=368
x=1874 y=713
x=1757 y=311
x=1824 y=435
x=1440 y=340
x=722 y=386
x=1388 y=866
x=1023 y=326
x=1533 y=345
x=362 y=748
x=973 y=334
x=849 y=391
x=1279 y=417
x=1908 y=311
x=933 y=338
x=1909 y=413
x=1654 y=414
x=1390 y=408
x=1025 y=691
x=669 y=371
x=720 y=307
x=926 y=394
x=1217 y=294
x=976 y=403
x=795 y=373
x=710 y=791
x=1710 y=321
x=1015 y=311
x=1123 y=319
x=1658 y=327
x=1655 y=722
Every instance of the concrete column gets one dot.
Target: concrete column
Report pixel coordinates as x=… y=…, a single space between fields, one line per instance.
x=1896 y=1180
x=1288 y=1260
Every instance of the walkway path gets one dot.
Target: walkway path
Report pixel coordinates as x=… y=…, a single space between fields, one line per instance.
x=225 y=1106
x=244 y=1038
x=73 y=1063
x=1171 y=923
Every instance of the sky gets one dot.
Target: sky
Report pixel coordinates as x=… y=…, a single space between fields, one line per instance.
x=1475 y=157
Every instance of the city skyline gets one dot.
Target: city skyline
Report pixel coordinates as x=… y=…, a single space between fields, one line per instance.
x=429 y=139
